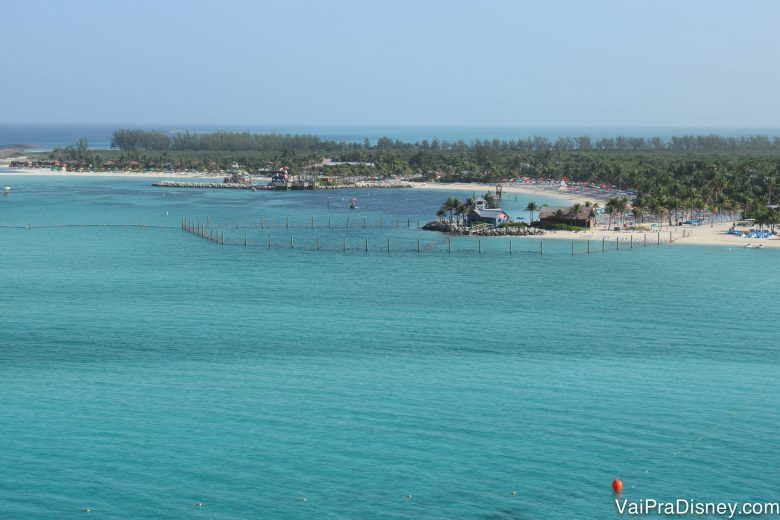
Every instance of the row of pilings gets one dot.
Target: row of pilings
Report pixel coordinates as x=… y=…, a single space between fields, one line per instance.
x=420 y=245
x=348 y=222
x=203 y=231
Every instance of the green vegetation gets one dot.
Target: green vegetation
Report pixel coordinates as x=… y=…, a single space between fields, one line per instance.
x=566 y=227
x=513 y=224
x=670 y=177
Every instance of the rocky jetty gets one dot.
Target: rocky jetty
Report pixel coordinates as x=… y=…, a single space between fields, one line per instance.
x=221 y=185
x=481 y=231
x=244 y=186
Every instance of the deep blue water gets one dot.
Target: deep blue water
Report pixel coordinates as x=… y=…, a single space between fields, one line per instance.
x=48 y=137
x=143 y=370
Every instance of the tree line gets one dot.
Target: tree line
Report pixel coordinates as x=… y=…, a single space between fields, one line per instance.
x=153 y=140
x=667 y=181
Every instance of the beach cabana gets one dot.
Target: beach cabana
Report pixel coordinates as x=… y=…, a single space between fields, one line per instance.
x=551 y=215
x=494 y=217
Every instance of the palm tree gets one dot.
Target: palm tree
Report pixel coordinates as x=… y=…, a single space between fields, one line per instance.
x=613 y=206
x=465 y=208
x=490 y=200
x=450 y=206
x=531 y=207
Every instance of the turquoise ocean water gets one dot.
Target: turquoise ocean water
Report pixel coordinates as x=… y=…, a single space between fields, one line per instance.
x=144 y=370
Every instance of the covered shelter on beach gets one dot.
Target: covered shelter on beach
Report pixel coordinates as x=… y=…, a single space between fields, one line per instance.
x=494 y=217
x=549 y=216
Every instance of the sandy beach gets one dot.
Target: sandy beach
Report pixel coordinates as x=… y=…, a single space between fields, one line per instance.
x=694 y=235
x=526 y=189
x=45 y=172
x=705 y=234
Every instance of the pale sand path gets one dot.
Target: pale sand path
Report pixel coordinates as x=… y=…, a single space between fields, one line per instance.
x=45 y=172
x=539 y=191
x=694 y=235
x=691 y=235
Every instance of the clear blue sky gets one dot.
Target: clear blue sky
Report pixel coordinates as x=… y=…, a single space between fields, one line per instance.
x=628 y=63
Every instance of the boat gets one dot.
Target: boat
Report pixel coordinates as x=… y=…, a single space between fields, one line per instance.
x=756 y=246
x=6 y=188
x=353 y=203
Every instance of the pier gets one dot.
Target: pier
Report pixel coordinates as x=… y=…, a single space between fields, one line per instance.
x=292 y=185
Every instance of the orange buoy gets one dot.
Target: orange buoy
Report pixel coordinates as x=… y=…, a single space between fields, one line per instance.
x=617 y=485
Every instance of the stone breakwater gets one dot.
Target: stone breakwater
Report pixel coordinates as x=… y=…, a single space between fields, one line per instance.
x=485 y=231
x=219 y=185
x=238 y=186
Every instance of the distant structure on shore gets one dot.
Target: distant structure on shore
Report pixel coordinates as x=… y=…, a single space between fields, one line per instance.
x=549 y=216
x=237 y=176
x=282 y=180
x=330 y=162
x=481 y=214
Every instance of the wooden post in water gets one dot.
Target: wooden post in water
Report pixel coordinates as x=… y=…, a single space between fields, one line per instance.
x=479 y=243
x=588 y=246
x=418 y=245
x=292 y=242
x=408 y=223
x=318 y=241
x=244 y=239
x=380 y=221
x=345 y=243
x=312 y=222
x=286 y=222
x=269 y=240
x=328 y=222
x=388 y=244
x=631 y=243
x=572 y=248
x=223 y=238
x=347 y=221
x=364 y=222
x=603 y=244
x=659 y=238
x=617 y=244
x=510 y=246
x=449 y=244
x=541 y=247
x=366 y=244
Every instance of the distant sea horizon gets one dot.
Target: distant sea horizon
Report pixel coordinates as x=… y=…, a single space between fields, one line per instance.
x=46 y=137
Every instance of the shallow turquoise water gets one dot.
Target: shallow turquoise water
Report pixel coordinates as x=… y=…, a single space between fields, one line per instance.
x=143 y=370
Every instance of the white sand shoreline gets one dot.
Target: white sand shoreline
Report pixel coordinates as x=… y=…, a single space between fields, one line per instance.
x=526 y=189
x=693 y=235
x=45 y=172
x=715 y=235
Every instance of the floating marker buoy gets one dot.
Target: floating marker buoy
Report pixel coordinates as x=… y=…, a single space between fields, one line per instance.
x=617 y=486
x=408 y=497
x=199 y=504
x=514 y=493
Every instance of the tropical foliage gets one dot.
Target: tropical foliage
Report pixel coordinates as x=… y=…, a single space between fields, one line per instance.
x=671 y=177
